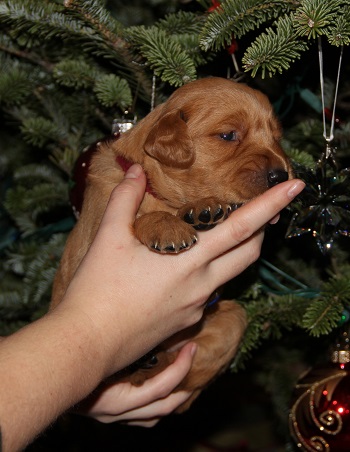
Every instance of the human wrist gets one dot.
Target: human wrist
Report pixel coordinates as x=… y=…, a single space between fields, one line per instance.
x=77 y=328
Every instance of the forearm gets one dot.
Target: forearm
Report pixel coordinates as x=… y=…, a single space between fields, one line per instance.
x=40 y=367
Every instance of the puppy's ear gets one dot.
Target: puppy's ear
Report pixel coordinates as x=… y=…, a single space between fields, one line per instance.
x=169 y=141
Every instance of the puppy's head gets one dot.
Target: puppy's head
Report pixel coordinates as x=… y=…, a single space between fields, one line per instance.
x=215 y=137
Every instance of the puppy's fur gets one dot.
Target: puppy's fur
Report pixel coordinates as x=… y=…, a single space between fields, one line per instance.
x=213 y=145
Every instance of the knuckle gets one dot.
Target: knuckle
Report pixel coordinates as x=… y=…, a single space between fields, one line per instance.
x=164 y=389
x=240 y=230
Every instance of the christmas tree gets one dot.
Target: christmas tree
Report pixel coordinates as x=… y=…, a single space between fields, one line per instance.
x=70 y=69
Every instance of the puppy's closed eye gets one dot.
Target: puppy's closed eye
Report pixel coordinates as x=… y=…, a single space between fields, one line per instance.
x=229 y=136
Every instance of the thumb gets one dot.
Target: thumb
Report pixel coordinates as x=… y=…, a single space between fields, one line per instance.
x=126 y=198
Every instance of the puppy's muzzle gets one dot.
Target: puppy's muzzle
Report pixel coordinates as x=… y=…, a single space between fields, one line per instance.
x=276 y=176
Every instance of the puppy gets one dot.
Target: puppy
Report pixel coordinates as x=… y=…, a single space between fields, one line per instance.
x=212 y=146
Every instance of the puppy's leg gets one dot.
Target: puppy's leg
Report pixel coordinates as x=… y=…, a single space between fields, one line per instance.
x=217 y=342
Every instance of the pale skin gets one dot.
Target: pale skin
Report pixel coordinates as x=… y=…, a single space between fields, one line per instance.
x=123 y=301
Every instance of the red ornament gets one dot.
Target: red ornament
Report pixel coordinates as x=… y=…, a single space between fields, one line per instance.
x=233 y=47
x=215 y=4
x=320 y=416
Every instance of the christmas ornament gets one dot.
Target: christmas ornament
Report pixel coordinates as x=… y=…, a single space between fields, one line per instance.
x=232 y=47
x=325 y=202
x=319 y=419
x=323 y=207
x=214 y=5
x=81 y=167
x=123 y=124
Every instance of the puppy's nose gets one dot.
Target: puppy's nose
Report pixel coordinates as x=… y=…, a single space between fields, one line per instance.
x=276 y=176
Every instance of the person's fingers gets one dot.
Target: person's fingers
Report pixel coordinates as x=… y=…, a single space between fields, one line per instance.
x=162 y=384
x=126 y=198
x=236 y=260
x=155 y=410
x=248 y=219
x=144 y=405
x=119 y=399
x=149 y=423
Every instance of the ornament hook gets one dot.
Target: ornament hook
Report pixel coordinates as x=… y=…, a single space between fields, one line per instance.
x=329 y=137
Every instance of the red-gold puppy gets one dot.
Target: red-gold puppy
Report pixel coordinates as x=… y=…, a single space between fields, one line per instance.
x=213 y=145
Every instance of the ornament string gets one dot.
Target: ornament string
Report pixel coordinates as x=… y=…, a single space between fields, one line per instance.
x=153 y=97
x=329 y=138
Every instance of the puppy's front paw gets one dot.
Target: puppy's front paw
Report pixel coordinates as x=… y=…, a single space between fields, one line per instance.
x=164 y=232
x=206 y=213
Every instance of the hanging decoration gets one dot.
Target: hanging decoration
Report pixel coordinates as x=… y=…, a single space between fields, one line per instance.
x=230 y=48
x=319 y=419
x=81 y=167
x=324 y=209
x=324 y=205
x=119 y=126
x=123 y=124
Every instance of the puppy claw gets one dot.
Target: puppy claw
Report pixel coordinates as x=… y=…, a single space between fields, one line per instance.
x=173 y=248
x=170 y=248
x=231 y=209
x=164 y=233
x=183 y=246
x=206 y=213
x=155 y=247
x=218 y=214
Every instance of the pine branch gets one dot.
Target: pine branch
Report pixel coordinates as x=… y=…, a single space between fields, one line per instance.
x=182 y=23
x=338 y=33
x=74 y=73
x=8 y=46
x=78 y=24
x=23 y=300
x=300 y=157
x=112 y=90
x=98 y=18
x=268 y=318
x=14 y=85
x=163 y=54
x=273 y=51
x=41 y=20
x=236 y=18
x=185 y=29
x=324 y=313
x=313 y=17
x=26 y=205
x=110 y=40
x=39 y=131
x=18 y=257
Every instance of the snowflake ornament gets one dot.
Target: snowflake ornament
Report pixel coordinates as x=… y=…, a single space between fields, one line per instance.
x=324 y=205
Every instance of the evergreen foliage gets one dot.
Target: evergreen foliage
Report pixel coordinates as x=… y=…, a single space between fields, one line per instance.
x=67 y=70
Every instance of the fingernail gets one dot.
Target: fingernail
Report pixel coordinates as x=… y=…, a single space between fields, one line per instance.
x=296 y=189
x=275 y=219
x=134 y=171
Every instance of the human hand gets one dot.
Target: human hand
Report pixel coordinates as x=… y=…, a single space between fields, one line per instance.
x=144 y=405
x=135 y=298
